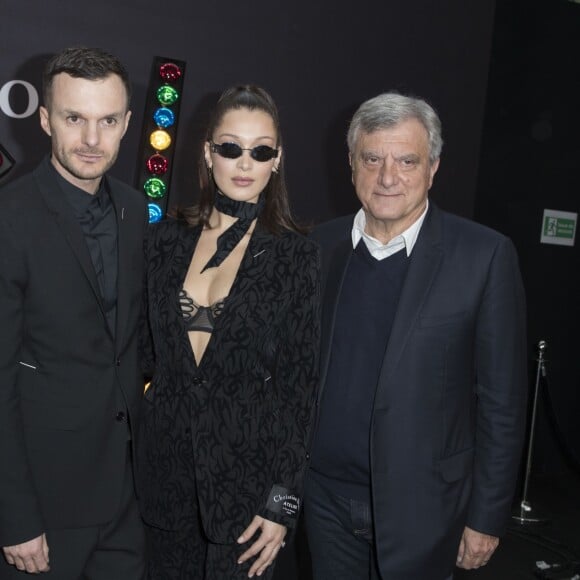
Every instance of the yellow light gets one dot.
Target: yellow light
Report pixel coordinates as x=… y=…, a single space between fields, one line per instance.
x=160 y=140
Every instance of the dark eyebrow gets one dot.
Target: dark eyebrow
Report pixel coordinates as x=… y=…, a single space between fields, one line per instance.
x=72 y=112
x=238 y=138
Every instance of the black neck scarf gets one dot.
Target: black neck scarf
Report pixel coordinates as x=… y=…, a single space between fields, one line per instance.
x=245 y=212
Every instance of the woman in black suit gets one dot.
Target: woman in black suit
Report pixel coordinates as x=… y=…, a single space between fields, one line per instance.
x=233 y=292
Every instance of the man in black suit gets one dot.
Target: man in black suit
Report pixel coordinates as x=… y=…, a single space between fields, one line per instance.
x=421 y=412
x=70 y=284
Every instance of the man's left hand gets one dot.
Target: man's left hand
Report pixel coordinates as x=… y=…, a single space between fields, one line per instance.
x=475 y=549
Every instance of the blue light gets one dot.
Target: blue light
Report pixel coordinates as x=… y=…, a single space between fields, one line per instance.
x=155 y=213
x=164 y=117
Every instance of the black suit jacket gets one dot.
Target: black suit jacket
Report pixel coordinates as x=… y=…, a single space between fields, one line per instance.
x=66 y=383
x=449 y=411
x=235 y=427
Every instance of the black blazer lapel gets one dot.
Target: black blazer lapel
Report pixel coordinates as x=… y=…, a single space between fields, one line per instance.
x=425 y=261
x=175 y=267
x=129 y=221
x=60 y=209
x=337 y=265
x=257 y=257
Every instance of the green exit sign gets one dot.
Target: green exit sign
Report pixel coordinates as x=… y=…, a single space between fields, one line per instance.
x=558 y=227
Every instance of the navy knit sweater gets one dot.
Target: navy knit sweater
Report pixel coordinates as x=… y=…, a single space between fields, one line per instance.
x=364 y=318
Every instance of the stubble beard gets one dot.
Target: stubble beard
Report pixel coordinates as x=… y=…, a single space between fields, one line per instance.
x=85 y=172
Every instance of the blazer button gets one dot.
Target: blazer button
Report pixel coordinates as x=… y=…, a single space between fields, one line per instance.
x=307 y=456
x=196 y=381
x=121 y=417
x=118 y=362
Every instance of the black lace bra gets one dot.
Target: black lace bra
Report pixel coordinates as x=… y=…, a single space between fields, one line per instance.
x=197 y=317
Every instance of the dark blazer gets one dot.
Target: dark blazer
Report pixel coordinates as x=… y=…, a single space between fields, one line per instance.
x=65 y=382
x=235 y=427
x=448 y=416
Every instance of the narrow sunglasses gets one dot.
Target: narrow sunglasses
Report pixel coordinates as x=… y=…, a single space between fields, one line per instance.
x=233 y=151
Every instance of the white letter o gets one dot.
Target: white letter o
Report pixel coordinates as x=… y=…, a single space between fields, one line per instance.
x=5 y=102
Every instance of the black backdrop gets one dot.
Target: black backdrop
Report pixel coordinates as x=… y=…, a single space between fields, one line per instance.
x=319 y=61
x=529 y=161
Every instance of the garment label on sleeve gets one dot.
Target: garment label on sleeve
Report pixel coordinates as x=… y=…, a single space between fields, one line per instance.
x=282 y=501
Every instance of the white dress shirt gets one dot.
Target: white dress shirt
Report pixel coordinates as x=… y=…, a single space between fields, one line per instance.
x=377 y=249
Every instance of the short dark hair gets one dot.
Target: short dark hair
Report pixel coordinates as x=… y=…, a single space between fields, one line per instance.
x=83 y=63
x=276 y=215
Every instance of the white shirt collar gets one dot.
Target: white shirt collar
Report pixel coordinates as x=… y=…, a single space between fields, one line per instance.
x=380 y=251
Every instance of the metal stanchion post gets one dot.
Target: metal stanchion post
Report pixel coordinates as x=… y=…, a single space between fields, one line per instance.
x=524 y=514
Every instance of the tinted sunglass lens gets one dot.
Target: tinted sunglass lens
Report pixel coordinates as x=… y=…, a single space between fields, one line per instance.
x=263 y=153
x=229 y=150
x=233 y=151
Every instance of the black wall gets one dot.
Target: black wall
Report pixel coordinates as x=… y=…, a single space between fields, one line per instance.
x=530 y=161
x=320 y=60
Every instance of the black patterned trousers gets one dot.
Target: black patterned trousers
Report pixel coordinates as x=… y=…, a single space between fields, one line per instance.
x=187 y=555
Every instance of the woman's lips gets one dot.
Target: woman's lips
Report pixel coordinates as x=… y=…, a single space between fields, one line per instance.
x=242 y=181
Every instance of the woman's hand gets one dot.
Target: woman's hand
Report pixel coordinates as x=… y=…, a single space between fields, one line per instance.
x=267 y=545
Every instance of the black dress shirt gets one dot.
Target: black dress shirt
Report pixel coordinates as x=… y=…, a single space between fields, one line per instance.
x=96 y=216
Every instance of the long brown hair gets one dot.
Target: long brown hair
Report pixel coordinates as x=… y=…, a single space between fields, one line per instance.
x=276 y=216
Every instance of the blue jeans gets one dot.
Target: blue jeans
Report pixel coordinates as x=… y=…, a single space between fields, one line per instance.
x=340 y=534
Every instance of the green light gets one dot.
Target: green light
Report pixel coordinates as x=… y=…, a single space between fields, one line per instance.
x=155 y=188
x=167 y=95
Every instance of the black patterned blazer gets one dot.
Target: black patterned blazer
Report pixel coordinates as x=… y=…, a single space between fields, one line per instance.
x=234 y=428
